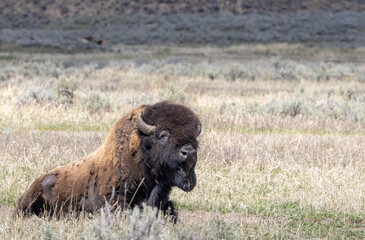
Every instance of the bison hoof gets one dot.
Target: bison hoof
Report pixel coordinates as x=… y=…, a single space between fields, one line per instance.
x=170 y=212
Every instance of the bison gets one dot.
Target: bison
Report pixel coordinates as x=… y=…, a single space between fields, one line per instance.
x=146 y=153
x=92 y=39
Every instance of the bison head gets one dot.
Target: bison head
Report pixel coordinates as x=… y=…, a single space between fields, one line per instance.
x=169 y=143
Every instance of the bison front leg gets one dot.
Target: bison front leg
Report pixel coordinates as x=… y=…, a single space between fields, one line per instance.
x=160 y=198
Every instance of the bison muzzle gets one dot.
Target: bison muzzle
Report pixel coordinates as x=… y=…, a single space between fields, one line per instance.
x=146 y=153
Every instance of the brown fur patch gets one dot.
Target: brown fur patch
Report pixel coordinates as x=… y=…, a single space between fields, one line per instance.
x=134 y=142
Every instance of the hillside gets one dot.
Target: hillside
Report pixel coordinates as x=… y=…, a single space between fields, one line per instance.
x=38 y=11
x=64 y=24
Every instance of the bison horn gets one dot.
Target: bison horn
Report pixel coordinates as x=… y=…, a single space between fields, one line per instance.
x=199 y=130
x=144 y=127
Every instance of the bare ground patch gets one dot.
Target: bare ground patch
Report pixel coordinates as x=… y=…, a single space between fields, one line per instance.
x=188 y=216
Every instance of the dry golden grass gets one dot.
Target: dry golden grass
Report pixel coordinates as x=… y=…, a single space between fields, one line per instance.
x=262 y=171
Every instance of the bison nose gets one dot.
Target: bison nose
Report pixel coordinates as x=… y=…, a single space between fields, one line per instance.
x=187 y=151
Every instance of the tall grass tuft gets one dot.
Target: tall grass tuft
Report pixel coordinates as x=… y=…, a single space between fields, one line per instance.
x=96 y=103
x=108 y=225
x=143 y=224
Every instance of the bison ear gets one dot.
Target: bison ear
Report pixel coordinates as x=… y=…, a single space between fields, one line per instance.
x=164 y=136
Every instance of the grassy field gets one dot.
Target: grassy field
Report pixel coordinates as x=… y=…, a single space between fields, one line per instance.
x=282 y=154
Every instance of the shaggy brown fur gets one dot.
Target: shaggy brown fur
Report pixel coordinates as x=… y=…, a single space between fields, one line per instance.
x=124 y=169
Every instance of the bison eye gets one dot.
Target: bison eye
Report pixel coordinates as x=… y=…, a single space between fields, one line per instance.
x=164 y=136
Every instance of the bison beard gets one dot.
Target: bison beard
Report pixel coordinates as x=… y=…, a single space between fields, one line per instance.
x=145 y=154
